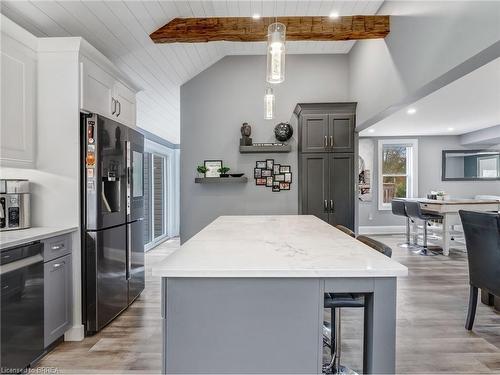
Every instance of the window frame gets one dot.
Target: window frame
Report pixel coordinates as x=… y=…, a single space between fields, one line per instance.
x=411 y=169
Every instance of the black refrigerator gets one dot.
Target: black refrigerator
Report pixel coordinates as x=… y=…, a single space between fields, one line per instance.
x=112 y=219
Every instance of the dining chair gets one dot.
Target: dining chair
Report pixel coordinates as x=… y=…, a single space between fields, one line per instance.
x=482 y=240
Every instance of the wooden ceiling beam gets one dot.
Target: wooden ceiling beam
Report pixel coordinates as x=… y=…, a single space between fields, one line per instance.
x=247 y=29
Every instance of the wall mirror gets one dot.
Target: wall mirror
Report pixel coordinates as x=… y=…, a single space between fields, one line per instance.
x=471 y=165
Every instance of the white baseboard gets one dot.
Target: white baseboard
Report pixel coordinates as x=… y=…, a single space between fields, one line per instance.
x=75 y=333
x=386 y=229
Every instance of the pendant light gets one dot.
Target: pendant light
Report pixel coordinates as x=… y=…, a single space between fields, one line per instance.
x=276 y=34
x=269 y=104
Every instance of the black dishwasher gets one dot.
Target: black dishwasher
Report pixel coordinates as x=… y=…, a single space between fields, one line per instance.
x=21 y=274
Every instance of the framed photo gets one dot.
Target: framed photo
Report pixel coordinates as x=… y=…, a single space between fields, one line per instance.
x=279 y=177
x=284 y=186
x=288 y=177
x=212 y=168
x=261 y=164
x=285 y=169
x=267 y=173
x=269 y=182
x=261 y=181
x=269 y=164
x=257 y=173
x=276 y=169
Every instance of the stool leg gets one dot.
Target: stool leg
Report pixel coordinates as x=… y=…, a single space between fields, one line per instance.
x=424 y=249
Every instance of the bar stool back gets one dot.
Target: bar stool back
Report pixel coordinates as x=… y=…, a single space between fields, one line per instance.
x=345 y=230
x=414 y=211
x=398 y=208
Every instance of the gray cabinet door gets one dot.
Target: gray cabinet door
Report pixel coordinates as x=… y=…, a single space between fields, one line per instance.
x=341 y=133
x=57 y=298
x=314 y=185
x=314 y=133
x=341 y=174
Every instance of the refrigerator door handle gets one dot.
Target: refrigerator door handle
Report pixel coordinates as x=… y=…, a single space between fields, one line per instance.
x=129 y=177
x=129 y=250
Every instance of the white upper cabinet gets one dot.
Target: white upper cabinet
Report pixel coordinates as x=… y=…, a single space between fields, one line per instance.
x=96 y=94
x=18 y=96
x=104 y=94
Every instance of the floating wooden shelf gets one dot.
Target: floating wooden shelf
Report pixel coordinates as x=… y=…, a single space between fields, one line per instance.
x=265 y=149
x=221 y=180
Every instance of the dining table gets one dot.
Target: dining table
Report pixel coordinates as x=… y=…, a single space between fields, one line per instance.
x=448 y=209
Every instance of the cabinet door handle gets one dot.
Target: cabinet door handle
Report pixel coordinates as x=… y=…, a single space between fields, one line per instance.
x=331 y=205
x=57 y=247
x=331 y=141
x=113 y=104
x=57 y=265
x=326 y=205
x=119 y=108
x=326 y=141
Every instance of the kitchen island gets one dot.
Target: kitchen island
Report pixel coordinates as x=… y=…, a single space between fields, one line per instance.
x=245 y=295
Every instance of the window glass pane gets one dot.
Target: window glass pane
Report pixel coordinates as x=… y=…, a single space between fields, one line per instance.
x=394 y=159
x=394 y=187
x=137 y=174
x=147 y=198
x=159 y=195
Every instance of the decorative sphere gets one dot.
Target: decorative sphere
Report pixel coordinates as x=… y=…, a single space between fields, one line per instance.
x=283 y=131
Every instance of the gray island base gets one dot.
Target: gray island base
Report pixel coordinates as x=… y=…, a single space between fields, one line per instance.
x=252 y=302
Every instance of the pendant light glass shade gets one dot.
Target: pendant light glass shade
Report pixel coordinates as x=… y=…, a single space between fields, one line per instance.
x=269 y=104
x=276 y=34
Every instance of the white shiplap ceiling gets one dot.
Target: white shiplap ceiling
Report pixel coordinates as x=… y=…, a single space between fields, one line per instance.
x=120 y=30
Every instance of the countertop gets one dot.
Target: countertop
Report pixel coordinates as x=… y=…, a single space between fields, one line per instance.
x=453 y=201
x=275 y=246
x=18 y=237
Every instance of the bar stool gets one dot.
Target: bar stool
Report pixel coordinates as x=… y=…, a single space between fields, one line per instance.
x=398 y=208
x=414 y=211
x=345 y=230
x=334 y=302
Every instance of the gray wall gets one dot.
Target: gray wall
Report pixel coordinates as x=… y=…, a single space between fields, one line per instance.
x=427 y=39
x=215 y=103
x=429 y=178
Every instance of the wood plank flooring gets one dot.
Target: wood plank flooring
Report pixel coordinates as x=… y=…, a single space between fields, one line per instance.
x=431 y=338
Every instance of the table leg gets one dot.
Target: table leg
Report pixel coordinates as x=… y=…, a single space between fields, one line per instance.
x=446 y=236
x=380 y=328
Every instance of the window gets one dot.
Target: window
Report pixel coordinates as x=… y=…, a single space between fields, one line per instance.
x=397 y=170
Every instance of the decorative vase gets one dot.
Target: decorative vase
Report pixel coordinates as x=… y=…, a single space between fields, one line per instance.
x=283 y=131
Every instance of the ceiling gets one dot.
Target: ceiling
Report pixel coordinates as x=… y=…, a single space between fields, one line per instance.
x=120 y=30
x=465 y=105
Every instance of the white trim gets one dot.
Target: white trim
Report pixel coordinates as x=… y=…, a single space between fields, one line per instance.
x=387 y=229
x=75 y=333
x=413 y=165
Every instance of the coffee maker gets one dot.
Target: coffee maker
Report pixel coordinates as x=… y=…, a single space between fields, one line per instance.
x=14 y=205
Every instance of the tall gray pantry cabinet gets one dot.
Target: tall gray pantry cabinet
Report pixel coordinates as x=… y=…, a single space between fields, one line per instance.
x=327 y=163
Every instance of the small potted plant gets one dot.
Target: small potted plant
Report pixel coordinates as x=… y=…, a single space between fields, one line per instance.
x=223 y=171
x=201 y=169
x=440 y=196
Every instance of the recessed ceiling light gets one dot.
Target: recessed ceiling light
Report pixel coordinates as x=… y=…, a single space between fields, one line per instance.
x=451 y=129
x=334 y=15
x=371 y=130
x=256 y=16
x=411 y=111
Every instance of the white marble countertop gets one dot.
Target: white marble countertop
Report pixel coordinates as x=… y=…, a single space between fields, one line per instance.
x=18 y=237
x=275 y=246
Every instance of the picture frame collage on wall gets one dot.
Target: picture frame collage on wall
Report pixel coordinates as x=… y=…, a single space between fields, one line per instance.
x=276 y=176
